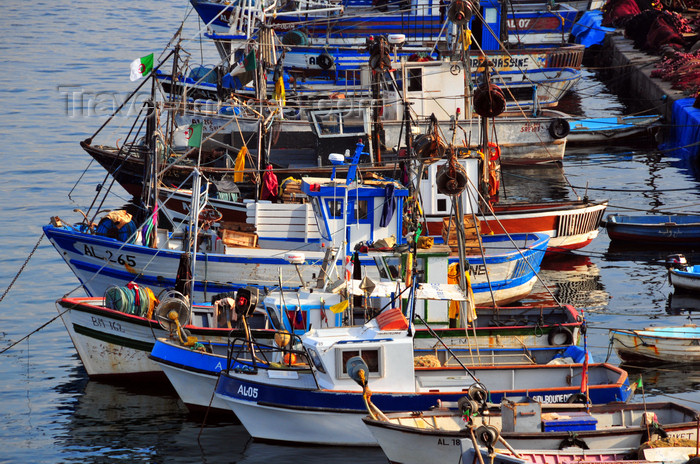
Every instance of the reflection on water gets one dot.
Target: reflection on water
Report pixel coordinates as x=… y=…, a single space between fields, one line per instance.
x=146 y=425
x=679 y=303
x=648 y=254
x=671 y=379
x=534 y=183
x=571 y=279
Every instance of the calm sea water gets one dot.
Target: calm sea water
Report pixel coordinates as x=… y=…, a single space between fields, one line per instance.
x=62 y=67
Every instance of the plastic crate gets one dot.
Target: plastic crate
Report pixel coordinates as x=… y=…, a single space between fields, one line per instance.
x=570 y=422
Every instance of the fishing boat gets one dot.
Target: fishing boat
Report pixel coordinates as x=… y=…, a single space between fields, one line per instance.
x=570 y=224
x=658 y=229
x=503 y=268
x=422 y=436
x=419 y=21
x=683 y=277
x=594 y=131
x=113 y=341
x=230 y=261
x=489 y=342
x=316 y=400
x=674 y=344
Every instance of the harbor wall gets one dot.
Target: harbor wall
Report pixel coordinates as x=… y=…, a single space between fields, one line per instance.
x=628 y=73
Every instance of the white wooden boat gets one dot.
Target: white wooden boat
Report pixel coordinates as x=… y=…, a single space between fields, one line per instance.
x=316 y=401
x=433 y=436
x=602 y=130
x=679 y=344
x=682 y=276
x=114 y=344
x=685 y=279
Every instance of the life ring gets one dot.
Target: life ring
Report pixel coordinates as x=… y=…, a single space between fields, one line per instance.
x=556 y=333
x=577 y=398
x=559 y=128
x=495 y=151
x=324 y=61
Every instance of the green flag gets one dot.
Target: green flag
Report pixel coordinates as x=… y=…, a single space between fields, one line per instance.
x=141 y=67
x=194 y=135
x=249 y=62
x=639 y=382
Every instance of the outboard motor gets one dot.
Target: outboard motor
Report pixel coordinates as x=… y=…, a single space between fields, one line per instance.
x=676 y=261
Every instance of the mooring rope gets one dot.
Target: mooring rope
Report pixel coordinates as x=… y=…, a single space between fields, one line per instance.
x=35 y=330
x=22 y=268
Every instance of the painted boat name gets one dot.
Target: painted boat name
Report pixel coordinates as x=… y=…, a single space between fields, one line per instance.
x=249 y=392
x=109 y=256
x=113 y=325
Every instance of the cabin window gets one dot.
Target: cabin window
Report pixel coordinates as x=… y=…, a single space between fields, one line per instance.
x=490 y=15
x=335 y=208
x=360 y=210
x=415 y=80
x=272 y=316
x=322 y=227
x=369 y=355
x=316 y=359
x=441 y=205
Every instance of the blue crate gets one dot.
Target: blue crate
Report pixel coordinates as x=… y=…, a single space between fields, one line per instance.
x=571 y=422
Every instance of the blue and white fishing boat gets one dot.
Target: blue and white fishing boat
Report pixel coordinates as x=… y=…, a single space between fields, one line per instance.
x=194 y=373
x=315 y=400
x=348 y=214
x=350 y=23
x=345 y=215
x=683 y=277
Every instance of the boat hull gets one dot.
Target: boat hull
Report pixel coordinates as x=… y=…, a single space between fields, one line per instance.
x=672 y=230
x=636 y=129
x=687 y=279
x=113 y=344
x=434 y=436
x=194 y=386
x=570 y=225
x=274 y=410
x=100 y=262
x=663 y=345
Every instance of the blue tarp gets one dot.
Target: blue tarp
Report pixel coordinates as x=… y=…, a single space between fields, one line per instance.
x=588 y=31
x=684 y=136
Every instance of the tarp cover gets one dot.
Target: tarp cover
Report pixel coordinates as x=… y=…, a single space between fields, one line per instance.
x=686 y=129
x=588 y=30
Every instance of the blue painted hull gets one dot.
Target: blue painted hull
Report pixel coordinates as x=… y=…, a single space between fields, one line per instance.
x=100 y=262
x=231 y=385
x=660 y=229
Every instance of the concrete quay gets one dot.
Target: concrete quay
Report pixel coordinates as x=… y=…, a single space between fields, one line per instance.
x=629 y=75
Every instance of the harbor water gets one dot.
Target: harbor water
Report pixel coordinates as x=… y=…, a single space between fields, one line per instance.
x=64 y=67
